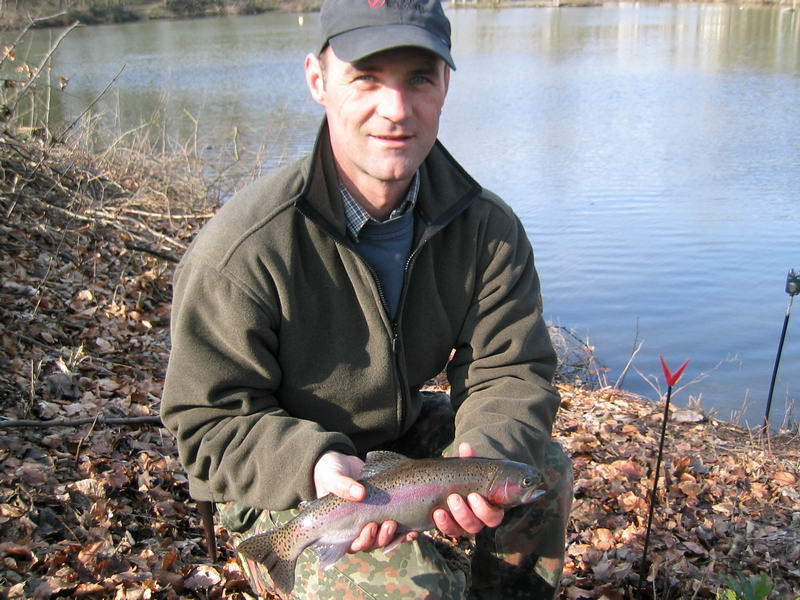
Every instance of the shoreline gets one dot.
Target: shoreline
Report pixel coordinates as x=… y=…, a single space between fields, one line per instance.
x=195 y=9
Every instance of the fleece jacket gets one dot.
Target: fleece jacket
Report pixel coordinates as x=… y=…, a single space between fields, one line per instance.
x=282 y=348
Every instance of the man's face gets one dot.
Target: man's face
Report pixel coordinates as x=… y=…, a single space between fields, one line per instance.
x=383 y=111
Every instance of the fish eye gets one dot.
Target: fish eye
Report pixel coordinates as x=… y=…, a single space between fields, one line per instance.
x=527 y=482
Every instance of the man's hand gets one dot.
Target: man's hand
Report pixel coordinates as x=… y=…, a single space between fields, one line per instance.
x=470 y=515
x=336 y=473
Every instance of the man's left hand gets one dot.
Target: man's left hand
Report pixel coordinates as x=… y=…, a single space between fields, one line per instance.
x=470 y=515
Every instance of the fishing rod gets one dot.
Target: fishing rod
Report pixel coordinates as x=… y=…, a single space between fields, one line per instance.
x=792 y=288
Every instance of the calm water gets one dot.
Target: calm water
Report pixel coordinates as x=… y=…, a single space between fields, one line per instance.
x=653 y=152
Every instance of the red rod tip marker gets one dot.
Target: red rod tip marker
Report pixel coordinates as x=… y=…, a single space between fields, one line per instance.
x=672 y=378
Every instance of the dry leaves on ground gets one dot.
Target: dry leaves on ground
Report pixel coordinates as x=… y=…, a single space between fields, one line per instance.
x=728 y=503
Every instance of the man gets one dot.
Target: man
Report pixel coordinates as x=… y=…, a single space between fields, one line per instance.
x=309 y=312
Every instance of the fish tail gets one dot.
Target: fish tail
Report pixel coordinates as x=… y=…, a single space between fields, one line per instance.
x=274 y=550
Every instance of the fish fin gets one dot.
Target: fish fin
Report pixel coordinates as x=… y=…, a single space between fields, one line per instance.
x=282 y=575
x=257 y=547
x=267 y=548
x=303 y=505
x=378 y=460
x=330 y=553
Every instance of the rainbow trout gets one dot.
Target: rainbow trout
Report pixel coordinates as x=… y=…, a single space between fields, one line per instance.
x=399 y=489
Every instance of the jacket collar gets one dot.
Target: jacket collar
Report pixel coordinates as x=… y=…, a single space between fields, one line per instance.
x=445 y=190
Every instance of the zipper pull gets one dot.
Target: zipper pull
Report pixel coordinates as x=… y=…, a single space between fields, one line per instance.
x=394 y=343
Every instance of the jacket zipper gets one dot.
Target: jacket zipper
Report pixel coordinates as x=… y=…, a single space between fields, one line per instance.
x=393 y=325
x=393 y=329
x=400 y=365
x=395 y=341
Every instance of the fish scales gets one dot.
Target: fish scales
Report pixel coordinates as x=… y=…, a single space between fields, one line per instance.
x=400 y=489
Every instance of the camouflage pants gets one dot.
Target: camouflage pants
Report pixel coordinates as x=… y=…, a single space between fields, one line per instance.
x=522 y=558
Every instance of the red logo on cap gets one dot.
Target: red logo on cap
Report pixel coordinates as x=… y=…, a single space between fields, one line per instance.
x=376 y=3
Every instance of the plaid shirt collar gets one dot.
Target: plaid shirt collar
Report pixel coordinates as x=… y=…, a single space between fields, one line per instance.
x=357 y=217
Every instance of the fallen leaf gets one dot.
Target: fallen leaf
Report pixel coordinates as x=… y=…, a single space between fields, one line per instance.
x=630 y=468
x=602 y=539
x=782 y=478
x=724 y=507
x=687 y=416
x=89 y=487
x=630 y=502
x=690 y=488
x=202 y=578
x=16 y=550
x=32 y=476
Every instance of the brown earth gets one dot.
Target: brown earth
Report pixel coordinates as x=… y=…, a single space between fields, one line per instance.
x=101 y=509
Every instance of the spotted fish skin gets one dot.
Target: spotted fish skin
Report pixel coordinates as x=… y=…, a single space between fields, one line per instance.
x=398 y=488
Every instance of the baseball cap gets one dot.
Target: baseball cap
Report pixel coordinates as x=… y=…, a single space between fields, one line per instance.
x=358 y=28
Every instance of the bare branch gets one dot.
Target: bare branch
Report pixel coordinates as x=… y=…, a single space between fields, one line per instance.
x=155 y=215
x=82 y=421
x=632 y=357
x=156 y=253
x=43 y=62
x=91 y=104
x=25 y=30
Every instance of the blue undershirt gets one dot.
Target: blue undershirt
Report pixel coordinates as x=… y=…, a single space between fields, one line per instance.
x=386 y=247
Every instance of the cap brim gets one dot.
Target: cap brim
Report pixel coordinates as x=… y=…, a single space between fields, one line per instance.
x=356 y=44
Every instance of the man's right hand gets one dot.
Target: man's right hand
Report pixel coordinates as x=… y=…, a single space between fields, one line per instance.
x=336 y=473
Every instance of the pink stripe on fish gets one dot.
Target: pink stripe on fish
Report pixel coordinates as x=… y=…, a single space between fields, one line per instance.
x=378 y=507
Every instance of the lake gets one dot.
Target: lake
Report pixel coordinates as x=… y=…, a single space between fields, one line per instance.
x=652 y=151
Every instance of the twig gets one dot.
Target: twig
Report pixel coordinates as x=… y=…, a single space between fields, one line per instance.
x=45 y=18
x=635 y=349
x=152 y=420
x=83 y=439
x=155 y=215
x=91 y=104
x=569 y=345
x=709 y=569
x=27 y=27
x=50 y=264
x=47 y=96
x=703 y=375
x=64 y=211
x=156 y=253
x=42 y=64
x=621 y=378
x=111 y=219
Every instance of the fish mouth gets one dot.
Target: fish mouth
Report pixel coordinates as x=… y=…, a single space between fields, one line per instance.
x=532 y=495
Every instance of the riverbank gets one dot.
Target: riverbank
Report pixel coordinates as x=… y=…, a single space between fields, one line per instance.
x=90 y=12
x=93 y=501
x=46 y=14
